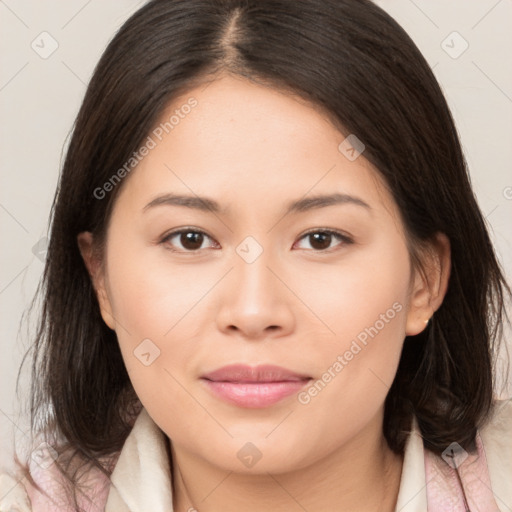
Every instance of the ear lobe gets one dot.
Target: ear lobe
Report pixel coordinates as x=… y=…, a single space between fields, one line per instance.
x=430 y=286
x=94 y=268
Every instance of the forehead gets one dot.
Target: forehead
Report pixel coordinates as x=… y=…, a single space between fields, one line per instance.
x=248 y=145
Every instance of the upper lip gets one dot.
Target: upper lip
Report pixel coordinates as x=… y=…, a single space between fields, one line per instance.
x=260 y=373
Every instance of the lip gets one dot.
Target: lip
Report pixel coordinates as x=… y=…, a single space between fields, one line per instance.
x=254 y=386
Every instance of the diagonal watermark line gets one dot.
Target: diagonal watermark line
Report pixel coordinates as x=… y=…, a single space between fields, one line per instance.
x=379 y=378
x=13 y=279
x=76 y=14
x=14 y=423
x=217 y=486
x=3 y=3
x=210 y=82
x=279 y=220
x=491 y=212
x=424 y=13
x=198 y=197
x=198 y=402
x=14 y=218
x=117 y=322
x=486 y=14
x=414 y=496
x=73 y=72
x=18 y=482
x=301 y=300
x=494 y=493
x=286 y=491
x=492 y=81
x=198 y=301
x=279 y=424
x=14 y=76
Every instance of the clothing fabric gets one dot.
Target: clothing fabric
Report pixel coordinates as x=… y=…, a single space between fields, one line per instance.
x=141 y=479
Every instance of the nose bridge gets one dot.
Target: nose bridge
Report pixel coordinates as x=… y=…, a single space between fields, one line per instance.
x=255 y=300
x=253 y=277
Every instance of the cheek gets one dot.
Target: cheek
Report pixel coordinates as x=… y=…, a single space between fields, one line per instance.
x=359 y=291
x=150 y=296
x=356 y=373
x=156 y=306
x=366 y=308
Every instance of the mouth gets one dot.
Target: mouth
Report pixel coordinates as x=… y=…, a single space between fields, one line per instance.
x=254 y=387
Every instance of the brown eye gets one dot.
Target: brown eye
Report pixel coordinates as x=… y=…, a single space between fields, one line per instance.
x=322 y=240
x=191 y=240
x=186 y=240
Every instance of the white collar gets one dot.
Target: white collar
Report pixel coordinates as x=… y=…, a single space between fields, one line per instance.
x=141 y=478
x=412 y=496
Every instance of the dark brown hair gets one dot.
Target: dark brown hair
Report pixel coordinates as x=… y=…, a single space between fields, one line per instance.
x=354 y=61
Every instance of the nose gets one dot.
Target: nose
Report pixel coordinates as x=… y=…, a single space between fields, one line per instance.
x=255 y=303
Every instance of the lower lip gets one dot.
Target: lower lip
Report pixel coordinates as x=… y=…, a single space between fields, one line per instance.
x=257 y=394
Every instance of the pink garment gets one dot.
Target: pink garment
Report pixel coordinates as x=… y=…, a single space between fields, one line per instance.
x=54 y=484
x=470 y=490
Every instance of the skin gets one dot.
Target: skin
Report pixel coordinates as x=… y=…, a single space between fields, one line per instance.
x=254 y=149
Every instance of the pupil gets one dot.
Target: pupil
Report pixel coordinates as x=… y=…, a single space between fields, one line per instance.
x=191 y=240
x=318 y=240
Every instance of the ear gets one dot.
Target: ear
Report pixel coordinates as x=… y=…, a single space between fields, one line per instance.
x=95 y=268
x=430 y=286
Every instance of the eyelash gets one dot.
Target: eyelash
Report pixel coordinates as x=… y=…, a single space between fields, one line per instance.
x=346 y=240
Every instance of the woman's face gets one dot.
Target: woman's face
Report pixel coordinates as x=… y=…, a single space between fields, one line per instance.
x=255 y=280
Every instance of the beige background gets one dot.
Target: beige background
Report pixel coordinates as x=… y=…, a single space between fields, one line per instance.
x=40 y=95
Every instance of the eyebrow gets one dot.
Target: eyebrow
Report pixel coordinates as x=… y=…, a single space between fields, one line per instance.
x=300 y=205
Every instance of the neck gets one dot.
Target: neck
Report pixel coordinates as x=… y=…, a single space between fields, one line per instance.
x=363 y=475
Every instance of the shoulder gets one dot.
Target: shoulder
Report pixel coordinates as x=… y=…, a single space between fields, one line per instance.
x=482 y=477
x=46 y=489
x=498 y=422
x=496 y=437
x=13 y=493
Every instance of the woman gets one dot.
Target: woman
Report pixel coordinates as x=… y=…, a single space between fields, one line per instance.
x=268 y=285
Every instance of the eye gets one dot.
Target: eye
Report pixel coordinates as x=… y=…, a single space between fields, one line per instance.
x=193 y=240
x=321 y=240
x=188 y=240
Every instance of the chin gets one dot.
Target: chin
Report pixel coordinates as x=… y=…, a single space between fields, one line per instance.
x=259 y=456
